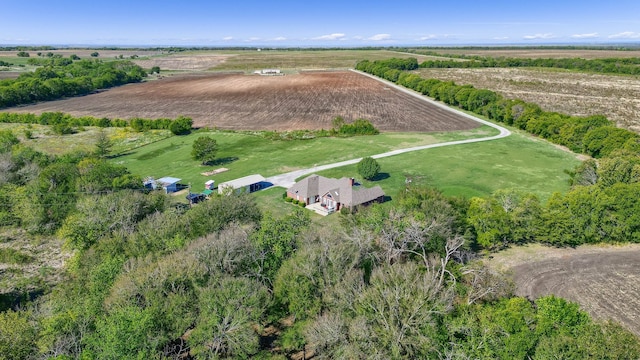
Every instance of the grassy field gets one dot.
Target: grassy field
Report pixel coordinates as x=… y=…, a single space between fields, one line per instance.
x=249 y=61
x=244 y=154
x=519 y=161
x=44 y=140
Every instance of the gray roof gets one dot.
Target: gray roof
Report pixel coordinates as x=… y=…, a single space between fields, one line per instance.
x=242 y=182
x=339 y=189
x=364 y=195
x=168 y=180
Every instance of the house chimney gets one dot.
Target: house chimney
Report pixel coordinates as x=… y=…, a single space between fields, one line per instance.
x=353 y=181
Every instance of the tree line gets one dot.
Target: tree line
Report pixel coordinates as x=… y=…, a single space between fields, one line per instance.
x=153 y=279
x=58 y=120
x=602 y=203
x=57 y=78
x=593 y=135
x=628 y=66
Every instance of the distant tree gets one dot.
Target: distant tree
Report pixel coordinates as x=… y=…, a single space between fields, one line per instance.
x=23 y=54
x=155 y=70
x=181 y=125
x=368 y=168
x=204 y=149
x=95 y=54
x=74 y=57
x=7 y=140
x=103 y=144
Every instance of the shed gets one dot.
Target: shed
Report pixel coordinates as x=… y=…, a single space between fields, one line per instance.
x=209 y=185
x=195 y=198
x=247 y=184
x=169 y=184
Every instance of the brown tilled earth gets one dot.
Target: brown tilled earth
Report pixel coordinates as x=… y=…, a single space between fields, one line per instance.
x=604 y=280
x=309 y=100
x=580 y=94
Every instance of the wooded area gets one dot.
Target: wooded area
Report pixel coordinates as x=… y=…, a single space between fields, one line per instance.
x=153 y=278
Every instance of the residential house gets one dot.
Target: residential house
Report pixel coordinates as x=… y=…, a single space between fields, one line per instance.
x=334 y=194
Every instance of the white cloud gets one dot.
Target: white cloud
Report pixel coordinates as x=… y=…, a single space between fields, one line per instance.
x=585 y=36
x=538 y=36
x=380 y=37
x=280 y=38
x=501 y=38
x=252 y=39
x=625 y=35
x=227 y=38
x=336 y=36
x=358 y=38
x=428 y=37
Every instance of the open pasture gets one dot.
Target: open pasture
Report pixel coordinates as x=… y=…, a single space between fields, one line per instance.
x=575 y=93
x=295 y=60
x=602 y=279
x=309 y=100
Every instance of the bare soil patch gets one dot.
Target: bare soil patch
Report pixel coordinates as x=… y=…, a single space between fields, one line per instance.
x=309 y=100
x=194 y=62
x=604 y=280
x=581 y=94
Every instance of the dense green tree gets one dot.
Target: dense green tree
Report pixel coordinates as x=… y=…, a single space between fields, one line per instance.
x=103 y=144
x=18 y=335
x=7 y=140
x=181 y=125
x=228 y=311
x=368 y=168
x=204 y=149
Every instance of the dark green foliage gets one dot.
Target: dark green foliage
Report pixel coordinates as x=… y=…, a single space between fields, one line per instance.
x=103 y=144
x=277 y=239
x=58 y=78
x=368 y=168
x=610 y=66
x=22 y=54
x=181 y=125
x=13 y=256
x=7 y=140
x=18 y=335
x=204 y=149
x=507 y=217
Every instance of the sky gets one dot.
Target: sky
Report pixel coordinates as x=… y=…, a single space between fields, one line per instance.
x=317 y=23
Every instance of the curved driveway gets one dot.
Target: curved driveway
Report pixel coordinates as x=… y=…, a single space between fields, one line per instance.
x=286 y=180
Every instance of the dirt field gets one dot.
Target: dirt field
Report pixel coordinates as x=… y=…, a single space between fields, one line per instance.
x=309 y=100
x=617 y=97
x=543 y=53
x=192 y=62
x=604 y=280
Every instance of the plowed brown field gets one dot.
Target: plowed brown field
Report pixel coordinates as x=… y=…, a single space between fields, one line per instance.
x=309 y=100
x=604 y=280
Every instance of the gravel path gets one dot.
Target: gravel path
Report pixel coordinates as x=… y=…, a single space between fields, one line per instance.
x=286 y=180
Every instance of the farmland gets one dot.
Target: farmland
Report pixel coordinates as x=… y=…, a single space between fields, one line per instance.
x=309 y=100
x=617 y=97
x=601 y=279
x=538 y=53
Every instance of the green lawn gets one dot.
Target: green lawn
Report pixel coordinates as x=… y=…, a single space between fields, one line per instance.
x=245 y=154
x=517 y=162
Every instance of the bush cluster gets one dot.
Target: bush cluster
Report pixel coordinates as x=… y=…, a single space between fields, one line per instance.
x=58 y=77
